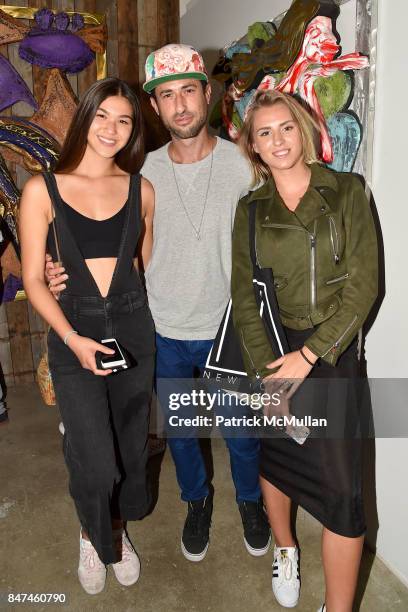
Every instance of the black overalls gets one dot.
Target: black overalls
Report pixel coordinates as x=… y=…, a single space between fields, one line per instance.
x=105 y=418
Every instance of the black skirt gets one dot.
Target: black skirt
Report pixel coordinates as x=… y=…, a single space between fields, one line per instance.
x=324 y=475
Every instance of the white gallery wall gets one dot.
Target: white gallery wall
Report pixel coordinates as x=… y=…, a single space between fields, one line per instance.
x=387 y=343
x=211 y=24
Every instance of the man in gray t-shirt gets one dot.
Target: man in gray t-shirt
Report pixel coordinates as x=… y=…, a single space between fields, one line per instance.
x=198 y=180
x=188 y=279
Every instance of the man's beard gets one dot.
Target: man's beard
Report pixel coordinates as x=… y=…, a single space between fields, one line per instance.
x=190 y=131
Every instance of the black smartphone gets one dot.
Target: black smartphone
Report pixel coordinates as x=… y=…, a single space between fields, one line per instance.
x=116 y=361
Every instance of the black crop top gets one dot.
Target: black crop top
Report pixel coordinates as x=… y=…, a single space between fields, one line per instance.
x=94 y=238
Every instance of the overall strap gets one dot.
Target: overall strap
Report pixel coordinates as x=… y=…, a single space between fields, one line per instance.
x=133 y=216
x=52 y=189
x=135 y=196
x=129 y=236
x=53 y=193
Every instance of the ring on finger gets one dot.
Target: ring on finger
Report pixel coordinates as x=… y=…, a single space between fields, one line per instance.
x=285 y=387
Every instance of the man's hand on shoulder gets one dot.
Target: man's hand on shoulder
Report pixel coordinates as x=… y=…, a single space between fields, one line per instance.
x=55 y=276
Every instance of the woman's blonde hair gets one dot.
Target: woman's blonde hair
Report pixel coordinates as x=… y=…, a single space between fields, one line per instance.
x=308 y=127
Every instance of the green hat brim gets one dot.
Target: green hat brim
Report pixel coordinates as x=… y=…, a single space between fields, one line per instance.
x=150 y=85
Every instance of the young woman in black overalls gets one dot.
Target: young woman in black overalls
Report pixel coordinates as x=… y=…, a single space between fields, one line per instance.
x=101 y=207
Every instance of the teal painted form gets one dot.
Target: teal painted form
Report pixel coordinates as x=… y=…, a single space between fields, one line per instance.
x=345 y=132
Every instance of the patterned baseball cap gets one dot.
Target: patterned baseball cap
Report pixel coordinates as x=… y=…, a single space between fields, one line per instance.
x=173 y=62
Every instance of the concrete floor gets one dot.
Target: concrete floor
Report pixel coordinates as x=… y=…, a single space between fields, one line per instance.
x=39 y=537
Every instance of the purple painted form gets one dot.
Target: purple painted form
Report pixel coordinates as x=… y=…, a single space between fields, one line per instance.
x=51 y=43
x=12 y=87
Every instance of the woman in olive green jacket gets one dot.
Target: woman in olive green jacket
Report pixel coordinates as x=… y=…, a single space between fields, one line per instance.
x=314 y=228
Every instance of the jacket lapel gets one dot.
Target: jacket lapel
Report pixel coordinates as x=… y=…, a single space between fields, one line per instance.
x=319 y=199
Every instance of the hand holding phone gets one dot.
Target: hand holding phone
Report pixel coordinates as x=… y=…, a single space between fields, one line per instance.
x=115 y=361
x=86 y=351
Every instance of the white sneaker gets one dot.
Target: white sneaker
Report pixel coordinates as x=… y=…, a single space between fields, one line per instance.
x=127 y=570
x=285 y=576
x=322 y=608
x=91 y=570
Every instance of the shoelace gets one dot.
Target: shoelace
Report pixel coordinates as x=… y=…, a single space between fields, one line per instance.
x=286 y=567
x=195 y=519
x=127 y=550
x=90 y=559
x=254 y=519
x=126 y=547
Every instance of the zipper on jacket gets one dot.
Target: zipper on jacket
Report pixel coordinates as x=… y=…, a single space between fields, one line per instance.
x=337 y=279
x=313 y=267
x=312 y=238
x=336 y=344
x=284 y=226
x=334 y=239
x=257 y=375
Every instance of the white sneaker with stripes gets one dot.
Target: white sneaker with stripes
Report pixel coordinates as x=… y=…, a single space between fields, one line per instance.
x=286 y=576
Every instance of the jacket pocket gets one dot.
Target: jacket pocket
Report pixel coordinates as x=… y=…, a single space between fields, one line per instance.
x=335 y=240
x=337 y=279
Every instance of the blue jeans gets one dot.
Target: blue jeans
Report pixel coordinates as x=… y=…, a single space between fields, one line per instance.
x=179 y=359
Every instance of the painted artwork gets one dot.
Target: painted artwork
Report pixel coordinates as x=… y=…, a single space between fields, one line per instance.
x=298 y=53
x=60 y=42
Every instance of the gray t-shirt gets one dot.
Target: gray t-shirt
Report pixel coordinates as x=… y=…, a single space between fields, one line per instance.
x=188 y=280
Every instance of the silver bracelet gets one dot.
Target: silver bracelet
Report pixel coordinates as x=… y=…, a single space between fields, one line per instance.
x=68 y=334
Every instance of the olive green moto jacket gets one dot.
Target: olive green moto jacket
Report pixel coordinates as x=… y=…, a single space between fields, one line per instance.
x=324 y=260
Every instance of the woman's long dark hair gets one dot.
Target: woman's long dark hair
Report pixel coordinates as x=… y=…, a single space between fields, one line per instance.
x=130 y=158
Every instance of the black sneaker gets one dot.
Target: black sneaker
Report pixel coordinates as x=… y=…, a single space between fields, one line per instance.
x=257 y=533
x=196 y=533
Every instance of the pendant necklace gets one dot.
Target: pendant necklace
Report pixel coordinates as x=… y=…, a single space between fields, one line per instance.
x=197 y=230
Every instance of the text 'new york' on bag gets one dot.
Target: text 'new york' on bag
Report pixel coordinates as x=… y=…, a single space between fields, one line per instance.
x=224 y=363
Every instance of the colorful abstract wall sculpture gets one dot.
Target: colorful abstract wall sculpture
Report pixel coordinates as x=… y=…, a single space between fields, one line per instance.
x=9 y=197
x=11 y=29
x=56 y=41
x=12 y=87
x=39 y=150
x=345 y=134
x=300 y=55
x=57 y=107
x=52 y=42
